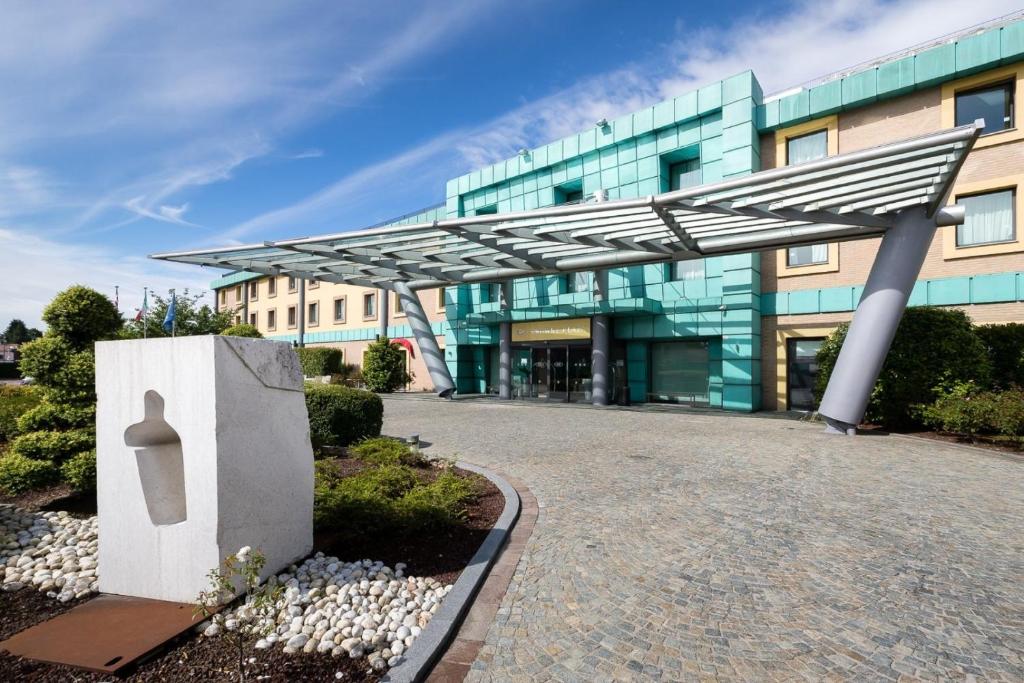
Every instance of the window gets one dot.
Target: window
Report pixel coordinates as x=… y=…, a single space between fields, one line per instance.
x=569 y=194
x=688 y=270
x=272 y=319
x=223 y=297
x=254 y=289
x=313 y=313
x=989 y=220
x=313 y=284
x=490 y=292
x=398 y=305
x=684 y=174
x=237 y=320
x=272 y=287
x=440 y=298
x=252 y=319
x=577 y=282
x=808 y=255
x=369 y=305
x=994 y=103
x=292 y=284
x=486 y=210
x=238 y=293
x=339 y=310
x=807 y=147
x=292 y=316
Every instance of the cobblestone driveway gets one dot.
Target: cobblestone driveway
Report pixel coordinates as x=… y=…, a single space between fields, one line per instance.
x=708 y=546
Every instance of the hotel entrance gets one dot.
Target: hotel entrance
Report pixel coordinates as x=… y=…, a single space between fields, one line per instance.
x=553 y=372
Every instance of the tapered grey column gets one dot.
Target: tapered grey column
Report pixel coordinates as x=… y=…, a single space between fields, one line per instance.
x=383 y=304
x=302 y=312
x=600 y=334
x=505 y=360
x=893 y=274
x=425 y=340
x=245 y=303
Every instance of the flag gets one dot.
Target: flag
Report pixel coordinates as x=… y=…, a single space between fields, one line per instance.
x=169 y=319
x=145 y=307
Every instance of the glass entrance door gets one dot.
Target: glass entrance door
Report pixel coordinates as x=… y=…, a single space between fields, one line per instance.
x=540 y=382
x=580 y=386
x=801 y=372
x=558 y=373
x=554 y=373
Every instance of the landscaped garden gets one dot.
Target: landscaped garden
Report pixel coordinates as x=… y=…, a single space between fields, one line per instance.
x=392 y=530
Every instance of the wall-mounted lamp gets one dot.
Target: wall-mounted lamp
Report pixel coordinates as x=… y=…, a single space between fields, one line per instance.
x=602 y=123
x=524 y=152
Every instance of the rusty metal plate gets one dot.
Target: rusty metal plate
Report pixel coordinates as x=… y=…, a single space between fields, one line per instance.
x=103 y=635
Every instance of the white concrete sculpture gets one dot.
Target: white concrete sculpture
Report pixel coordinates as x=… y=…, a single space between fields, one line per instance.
x=202 y=448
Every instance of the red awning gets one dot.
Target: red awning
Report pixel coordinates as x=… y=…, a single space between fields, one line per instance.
x=407 y=344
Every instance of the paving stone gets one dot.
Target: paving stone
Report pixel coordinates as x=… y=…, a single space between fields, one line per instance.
x=696 y=545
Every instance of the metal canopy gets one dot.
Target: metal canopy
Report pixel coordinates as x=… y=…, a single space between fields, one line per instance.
x=845 y=197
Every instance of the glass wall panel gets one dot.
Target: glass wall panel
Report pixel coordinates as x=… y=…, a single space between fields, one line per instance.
x=679 y=372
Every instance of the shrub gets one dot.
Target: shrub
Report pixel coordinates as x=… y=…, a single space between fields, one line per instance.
x=436 y=505
x=81 y=316
x=242 y=330
x=1007 y=416
x=384 y=367
x=80 y=471
x=963 y=409
x=1004 y=344
x=19 y=474
x=15 y=401
x=384 y=450
x=53 y=446
x=54 y=416
x=44 y=359
x=319 y=361
x=66 y=374
x=931 y=346
x=339 y=415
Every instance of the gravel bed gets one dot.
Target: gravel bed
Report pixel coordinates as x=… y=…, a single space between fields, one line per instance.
x=51 y=552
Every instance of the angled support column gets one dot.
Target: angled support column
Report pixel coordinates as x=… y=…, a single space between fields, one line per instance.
x=600 y=334
x=878 y=314
x=505 y=360
x=426 y=342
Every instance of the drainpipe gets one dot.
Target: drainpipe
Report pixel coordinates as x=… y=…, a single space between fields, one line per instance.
x=383 y=304
x=245 y=302
x=302 y=312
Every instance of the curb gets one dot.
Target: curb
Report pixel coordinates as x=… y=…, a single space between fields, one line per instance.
x=432 y=643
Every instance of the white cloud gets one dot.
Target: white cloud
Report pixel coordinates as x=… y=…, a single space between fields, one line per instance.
x=35 y=269
x=308 y=154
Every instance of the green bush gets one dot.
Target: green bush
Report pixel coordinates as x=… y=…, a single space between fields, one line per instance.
x=965 y=410
x=80 y=471
x=81 y=316
x=57 y=416
x=1005 y=344
x=932 y=346
x=384 y=367
x=383 y=450
x=15 y=401
x=19 y=474
x=339 y=416
x=54 y=446
x=44 y=359
x=66 y=374
x=388 y=498
x=242 y=330
x=319 y=361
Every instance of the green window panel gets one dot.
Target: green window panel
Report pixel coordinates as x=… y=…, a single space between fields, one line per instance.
x=768 y=115
x=976 y=52
x=486 y=175
x=803 y=301
x=737 y=347
x=463 y=184
x=628 y=173
x=498 y=171
x=626 y=152
x=591 y=163
x=539 y=157
x=743 y=161
x=451 y=188
x=529 y=183
x=605 y=136
x=739 y=112
x=711 y=126
x=512 y=167
x=648 y=167
x=629 y=191
x=742 y=85
x=1011 y=41
x=646 y=146
x=643 y=121
x=934 y=65
x=826 y=98
x=836 y=299
x=711 y=149
x=740 y=371
x=668 y=140
x=793 y=108
x=741 y=397
x=609 y=157
x=993 y=288
x=664 y=114
x=709 y=98
x=688 y=133
x=588 y=141
x=574 y=169
x=555 y=152
x=949 y=291
x=686 y=106
x=570 y=146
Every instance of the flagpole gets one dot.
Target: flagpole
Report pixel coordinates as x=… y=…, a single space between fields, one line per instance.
x=174 y=320
x=145 y=300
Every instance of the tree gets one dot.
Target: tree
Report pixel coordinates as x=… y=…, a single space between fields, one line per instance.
x=384 y=367
x=82 y=316
x=18 y=333
x=191 y=318
x=243 y=330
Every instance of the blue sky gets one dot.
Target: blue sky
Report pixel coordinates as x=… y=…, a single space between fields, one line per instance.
x=128 y=128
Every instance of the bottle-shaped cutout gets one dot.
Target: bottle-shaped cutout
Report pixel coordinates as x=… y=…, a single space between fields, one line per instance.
x=159 y=459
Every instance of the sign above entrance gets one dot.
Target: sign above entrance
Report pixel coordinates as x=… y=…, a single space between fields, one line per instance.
x=551 y=330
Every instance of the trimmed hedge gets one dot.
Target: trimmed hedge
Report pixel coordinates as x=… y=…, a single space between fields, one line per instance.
x=53 y=446
x=19 y=474
x=339 y=416
x=932 y=346
x=49 y=416
x=1005 y=345
x=319 y=360
x=384 y=450
x=242 y=330
x=15 y=401
x=962 y=409
x=80 y=471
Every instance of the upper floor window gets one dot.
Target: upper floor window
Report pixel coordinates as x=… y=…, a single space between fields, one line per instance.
x=223 y=295
x=370 y=305
x=398 y=305
x=688 y=270
x=809 y=255
x=989 y=220
x=490 y=292
x=292 y=284
x=807 y=147
x=292 y=316
x=253 y=291
x=684 y=174
x=272 y=319
x=252 y=319
x=440 y=298
x=577 y=282
x=571 y=193
x=313 y=284
x=313 y=313
x=238 y=293
x=994 y=103
x=272 y=286
x=486 y=210
x=339 y=310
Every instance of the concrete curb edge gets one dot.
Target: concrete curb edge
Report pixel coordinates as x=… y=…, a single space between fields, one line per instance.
x=431 y=644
